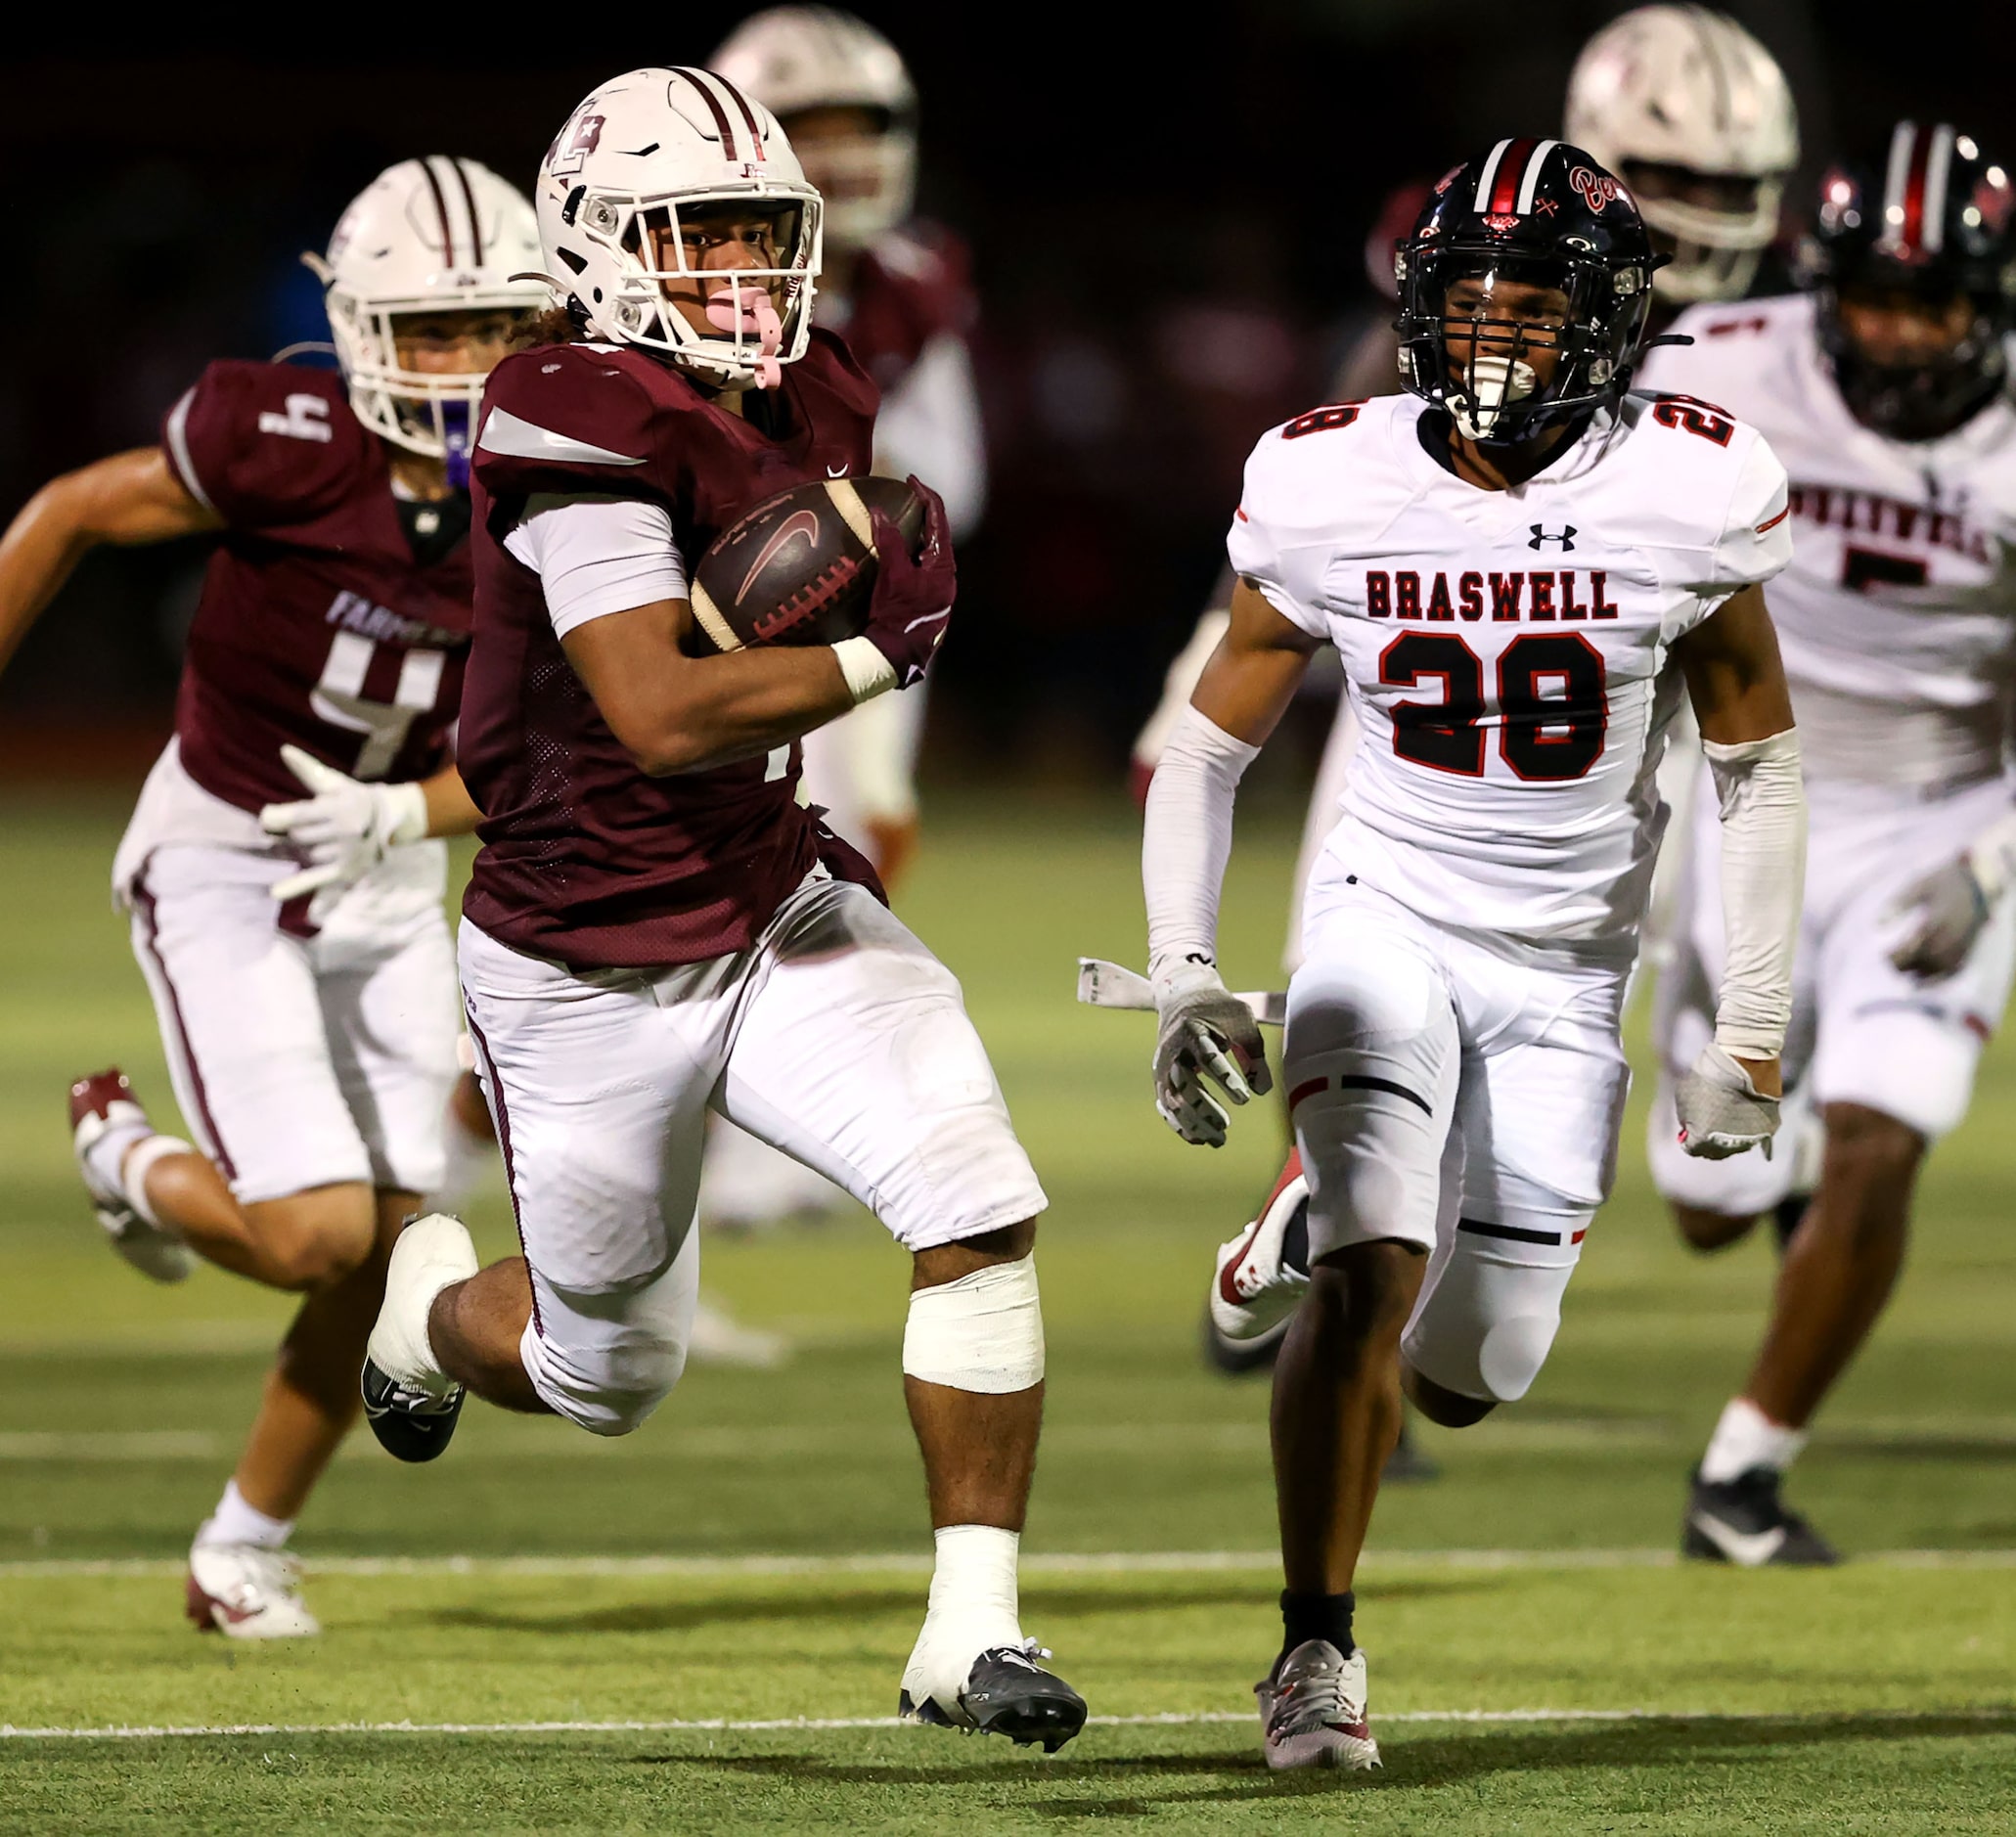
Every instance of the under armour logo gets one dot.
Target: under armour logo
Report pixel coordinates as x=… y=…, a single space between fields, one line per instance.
x=1566 y=537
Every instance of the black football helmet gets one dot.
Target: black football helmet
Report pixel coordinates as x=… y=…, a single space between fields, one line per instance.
x=1936 y=226
x=1535 y=213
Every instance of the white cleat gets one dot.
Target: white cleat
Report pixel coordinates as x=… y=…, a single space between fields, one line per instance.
x=717 y=1337
x=1313 y=1709
x=101 y=1106
x=1259 y=1278
x=245 y=1592
x=409 y=1403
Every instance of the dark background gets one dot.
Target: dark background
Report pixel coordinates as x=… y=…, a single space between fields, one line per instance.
x=1167 y=210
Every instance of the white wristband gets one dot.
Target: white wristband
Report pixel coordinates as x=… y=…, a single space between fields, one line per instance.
x=868 y=672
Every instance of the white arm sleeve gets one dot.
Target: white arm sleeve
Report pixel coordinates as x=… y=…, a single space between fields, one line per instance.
x=596 y=554
x=1763 y=802
x=1187 y=839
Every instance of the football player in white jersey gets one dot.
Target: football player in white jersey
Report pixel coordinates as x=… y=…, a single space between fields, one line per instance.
x=1693 y=113
x=1882 y=387
x=1524 y=570
x=895 y=287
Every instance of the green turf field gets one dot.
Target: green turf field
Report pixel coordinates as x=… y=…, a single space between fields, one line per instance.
x=1537 y=1664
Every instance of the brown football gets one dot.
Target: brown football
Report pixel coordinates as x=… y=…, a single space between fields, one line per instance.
x=799 y=567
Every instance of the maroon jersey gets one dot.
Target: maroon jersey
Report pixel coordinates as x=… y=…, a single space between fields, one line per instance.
x=317 y=623
x=909 y=286
x=585 y=858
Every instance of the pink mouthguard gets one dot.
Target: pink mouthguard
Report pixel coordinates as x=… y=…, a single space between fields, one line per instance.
x=748 y=311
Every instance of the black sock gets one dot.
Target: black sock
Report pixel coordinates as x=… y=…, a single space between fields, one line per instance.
x=1306 y=1617
x=1787 y=1216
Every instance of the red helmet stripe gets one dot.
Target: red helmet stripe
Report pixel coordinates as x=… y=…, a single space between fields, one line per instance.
x=722 y=125
x=1904 y=192
x=427 y=167
x=1510 y=179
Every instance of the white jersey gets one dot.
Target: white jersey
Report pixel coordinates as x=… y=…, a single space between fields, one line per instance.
x=1896 y=616
x=1505 y=651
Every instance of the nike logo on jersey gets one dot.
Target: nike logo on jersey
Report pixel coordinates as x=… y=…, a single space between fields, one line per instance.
x=1533 y=596
x=1747 y=1550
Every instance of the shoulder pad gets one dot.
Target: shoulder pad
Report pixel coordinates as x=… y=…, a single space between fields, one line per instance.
x=572 y=411
x=266 y=445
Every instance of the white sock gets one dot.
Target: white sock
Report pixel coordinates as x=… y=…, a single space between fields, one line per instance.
x=1747 y=1438
x=237 y=1522
x=974 y=1579
x=135 y=1167
x=108 y=1154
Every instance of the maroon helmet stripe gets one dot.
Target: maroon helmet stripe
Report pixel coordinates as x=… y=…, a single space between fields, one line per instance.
x=714 y=107
x=741 y=101
x=441 y=207
x=476 y=221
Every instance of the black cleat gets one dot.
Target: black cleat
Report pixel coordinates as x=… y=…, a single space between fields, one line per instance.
x=1008 y=1694
x=410 y=1423
x=1744 y=1522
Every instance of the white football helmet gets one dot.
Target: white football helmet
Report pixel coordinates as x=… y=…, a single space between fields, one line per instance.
x=1682 y=86
x=793 y=58
x=426 y=236
x=639 y=151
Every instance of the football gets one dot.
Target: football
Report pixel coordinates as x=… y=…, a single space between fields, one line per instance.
x=798 y=569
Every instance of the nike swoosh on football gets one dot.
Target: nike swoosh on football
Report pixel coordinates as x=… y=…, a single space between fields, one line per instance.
x=1749 y=1550
x=832 y=474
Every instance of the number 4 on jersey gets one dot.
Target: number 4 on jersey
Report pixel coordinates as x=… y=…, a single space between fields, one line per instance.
x=339 y=698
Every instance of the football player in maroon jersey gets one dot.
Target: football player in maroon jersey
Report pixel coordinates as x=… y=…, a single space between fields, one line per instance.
x=895 y=287
x=655 y=926
x=294 y=946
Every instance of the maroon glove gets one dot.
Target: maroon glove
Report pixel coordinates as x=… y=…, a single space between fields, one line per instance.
x=912 y=600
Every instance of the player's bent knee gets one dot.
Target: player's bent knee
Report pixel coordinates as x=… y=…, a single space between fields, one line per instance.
x=982 y=1331
x=1871 y=1137
x=1704 y=1229
x=1447 y=1408
x=607 y=1383
x=315 y=1239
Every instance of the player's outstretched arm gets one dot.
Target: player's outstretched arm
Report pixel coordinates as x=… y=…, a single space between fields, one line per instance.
x=1730 y=1101
x=1204 y=1032
x=130 y=499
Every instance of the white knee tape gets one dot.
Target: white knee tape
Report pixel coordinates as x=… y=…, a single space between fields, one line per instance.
x=983 y=1333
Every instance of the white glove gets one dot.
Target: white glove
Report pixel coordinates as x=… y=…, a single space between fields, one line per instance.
x=347 y=826
x=1949 y=909
x=1205 y=1031
x=1720 y=1111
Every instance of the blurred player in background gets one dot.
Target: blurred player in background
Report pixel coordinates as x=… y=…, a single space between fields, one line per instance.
x=1451 y=1060
x=895 y=287
x=295 y=947
x=1883 y=387
x=1695 y=116
x=657 y=928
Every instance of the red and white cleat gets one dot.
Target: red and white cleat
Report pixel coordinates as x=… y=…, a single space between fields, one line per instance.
x=102 y=1105
x=245 y=1592
x=1313 y=1709
x=1261 y=1278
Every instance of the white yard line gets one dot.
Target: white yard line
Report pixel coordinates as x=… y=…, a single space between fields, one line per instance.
x=903 y=1562
x=716 y=1724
